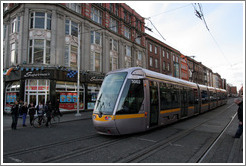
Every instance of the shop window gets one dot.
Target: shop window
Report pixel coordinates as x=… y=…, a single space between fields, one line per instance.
x=67 y=92
x=12 y=94
x=93 y=91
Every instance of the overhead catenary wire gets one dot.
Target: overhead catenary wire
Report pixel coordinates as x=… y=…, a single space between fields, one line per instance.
x=200 y=15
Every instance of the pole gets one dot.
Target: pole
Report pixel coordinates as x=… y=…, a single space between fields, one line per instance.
x=78 y=65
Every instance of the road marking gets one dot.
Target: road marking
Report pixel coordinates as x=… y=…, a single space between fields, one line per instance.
x=16 y=160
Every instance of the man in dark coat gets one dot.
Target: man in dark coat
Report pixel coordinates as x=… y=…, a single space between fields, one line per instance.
x=48 y=111
x=240 y=117
x=15 y=115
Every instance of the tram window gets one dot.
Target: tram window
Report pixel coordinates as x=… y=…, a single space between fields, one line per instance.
x=169 y=96
x=132 y=97
x=191 y=97
x=204 y=96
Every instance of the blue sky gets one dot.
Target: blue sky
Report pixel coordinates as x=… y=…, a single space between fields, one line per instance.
x=222 y=50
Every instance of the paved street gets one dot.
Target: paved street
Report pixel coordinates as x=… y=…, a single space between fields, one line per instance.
x=75 y=141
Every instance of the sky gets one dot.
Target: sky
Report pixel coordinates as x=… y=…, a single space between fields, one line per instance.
x=221 y=48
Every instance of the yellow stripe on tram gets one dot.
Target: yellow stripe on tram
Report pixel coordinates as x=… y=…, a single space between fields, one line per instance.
x=170 y=110
x=129 y=116
x=111 y=117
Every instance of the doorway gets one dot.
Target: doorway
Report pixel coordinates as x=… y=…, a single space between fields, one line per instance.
x=37 y=91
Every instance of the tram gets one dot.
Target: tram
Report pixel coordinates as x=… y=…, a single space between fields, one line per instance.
x=136 y=100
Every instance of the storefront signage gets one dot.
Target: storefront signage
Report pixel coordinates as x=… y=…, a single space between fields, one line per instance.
x=32 y=75
x=96 y=79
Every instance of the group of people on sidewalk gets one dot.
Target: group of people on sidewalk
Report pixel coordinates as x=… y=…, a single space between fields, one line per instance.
x=22 y=109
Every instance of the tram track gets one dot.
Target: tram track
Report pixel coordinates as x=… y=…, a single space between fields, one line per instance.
x=47 y=146
x=156 y=147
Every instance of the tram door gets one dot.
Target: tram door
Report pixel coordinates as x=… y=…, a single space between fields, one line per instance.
x=196 y=101
x=184 y=102
x=154 y=103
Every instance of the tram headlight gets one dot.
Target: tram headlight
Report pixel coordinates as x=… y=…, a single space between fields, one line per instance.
x=108 y=118
x=94 y=116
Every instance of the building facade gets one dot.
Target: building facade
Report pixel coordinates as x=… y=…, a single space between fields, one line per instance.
x=162 y=58
x=44 y=44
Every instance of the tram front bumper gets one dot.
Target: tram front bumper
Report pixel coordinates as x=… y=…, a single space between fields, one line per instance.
x=105 y=124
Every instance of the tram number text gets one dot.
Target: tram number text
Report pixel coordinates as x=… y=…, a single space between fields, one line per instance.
x=136 y=82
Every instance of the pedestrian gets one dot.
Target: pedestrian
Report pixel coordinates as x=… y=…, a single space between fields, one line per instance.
x=20 y=108
x=48 y=111
x=15 y=115
x=57 y=109
x=40 y=111
x=239 y=132
x=31 y=112
x=24 y=113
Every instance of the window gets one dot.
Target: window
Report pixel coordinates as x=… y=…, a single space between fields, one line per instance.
x=173 y=58
x=155 y=50
x=15 y=25
x=169 y=96
x=113 y=62
x=113 y=25
x=138 y=38
x=131 y=98
x=113 y=45
x=126 y=32
x=150 y=47
x=71 y=28
x=40 y=20
x=163 y=54
x=13 y=54
x=96 y=15
x=96 y=38
x=167 y=55
x=177 y=59
x=128 y=56
x=168 y=67
x=71 y=55
x=74 y=6
x=140 y=55
x=164 y=65
x=151 y=61
x=96 y=61
x=128 y=51
x=39 y=51
x=156 y=63
x=204 y=96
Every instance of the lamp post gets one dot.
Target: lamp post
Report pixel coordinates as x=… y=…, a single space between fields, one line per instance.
x=78 y=65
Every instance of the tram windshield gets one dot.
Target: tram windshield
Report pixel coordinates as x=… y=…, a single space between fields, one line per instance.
x=109 y=93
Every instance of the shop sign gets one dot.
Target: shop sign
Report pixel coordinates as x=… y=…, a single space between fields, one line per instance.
x=96 y=79
x=34 y=75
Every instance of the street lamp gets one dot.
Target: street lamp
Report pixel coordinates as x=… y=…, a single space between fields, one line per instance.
x=78 y=65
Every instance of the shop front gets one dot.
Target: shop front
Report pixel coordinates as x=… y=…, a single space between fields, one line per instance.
x=40 y=85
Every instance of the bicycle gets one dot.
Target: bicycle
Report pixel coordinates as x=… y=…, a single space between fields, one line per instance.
x=39 y=121
x=55 y=118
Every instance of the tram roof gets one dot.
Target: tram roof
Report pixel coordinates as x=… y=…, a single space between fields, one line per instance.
x=160 y=76
x=155 y=75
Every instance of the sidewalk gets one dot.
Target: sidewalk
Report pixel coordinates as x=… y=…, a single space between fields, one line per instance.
x=7 y=119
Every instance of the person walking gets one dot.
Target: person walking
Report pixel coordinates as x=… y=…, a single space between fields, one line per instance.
x=24 y=113
x=40 y=111
x=15 y=115
x=48 y=111
x=240 y=117
x=31 y=112
x=57 y=109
